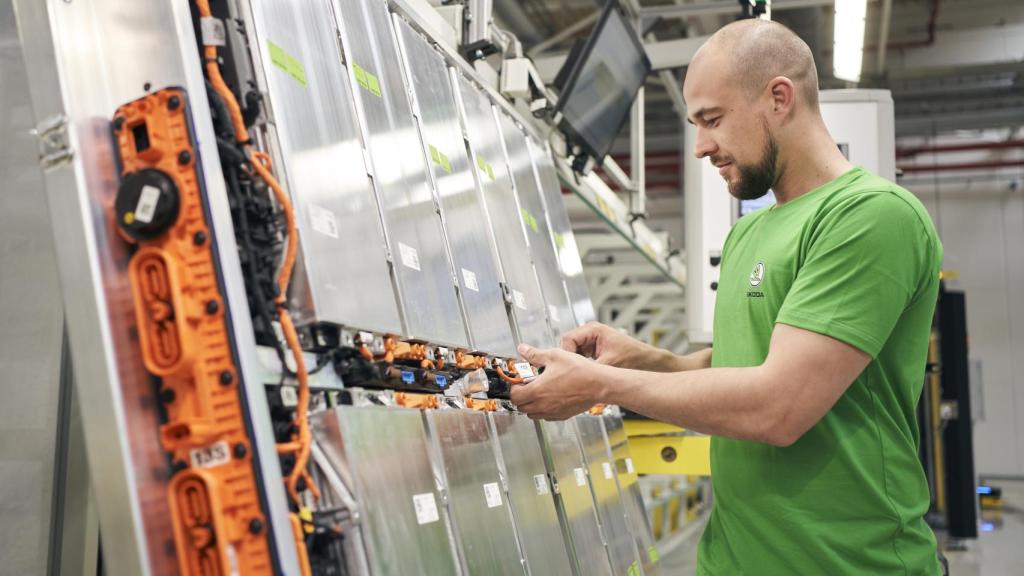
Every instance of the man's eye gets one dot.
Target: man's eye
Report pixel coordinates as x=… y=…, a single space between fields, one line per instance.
x=714 y=122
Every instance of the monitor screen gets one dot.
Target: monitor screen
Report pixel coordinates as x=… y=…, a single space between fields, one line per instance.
x=603 y=83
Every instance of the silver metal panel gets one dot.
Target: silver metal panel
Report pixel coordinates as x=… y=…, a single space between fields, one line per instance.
x=561 y=231
x=481 y=518
x=99 y=55
x=530 y=495
x=30 y=345
x=605 y=485
x=632 y=497
x=575 y=501
x=473 y=254
x=418 y=249
x=344 y=277
x=535 y=226
x=495 y=185
x=385 y=452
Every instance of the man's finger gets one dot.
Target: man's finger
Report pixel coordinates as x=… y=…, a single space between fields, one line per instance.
x=534 y=356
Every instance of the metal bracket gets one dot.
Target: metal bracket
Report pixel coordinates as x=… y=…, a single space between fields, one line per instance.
x=54 y=145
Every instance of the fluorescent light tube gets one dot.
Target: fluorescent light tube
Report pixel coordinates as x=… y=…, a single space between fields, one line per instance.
x=848 y=46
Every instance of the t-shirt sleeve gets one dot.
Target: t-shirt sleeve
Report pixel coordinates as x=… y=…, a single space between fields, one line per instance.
x=865 y=262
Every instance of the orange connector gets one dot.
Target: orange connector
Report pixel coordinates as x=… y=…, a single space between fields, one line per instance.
x=421 y=401
x=219 y=523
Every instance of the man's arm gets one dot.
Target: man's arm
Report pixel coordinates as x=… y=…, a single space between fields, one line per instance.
x=803 y=376
x=609 y=346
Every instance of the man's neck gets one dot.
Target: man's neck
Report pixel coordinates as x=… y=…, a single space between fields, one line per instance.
x=808 y=164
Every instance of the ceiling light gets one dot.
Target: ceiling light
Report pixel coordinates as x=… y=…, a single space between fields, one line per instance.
x=848 y=45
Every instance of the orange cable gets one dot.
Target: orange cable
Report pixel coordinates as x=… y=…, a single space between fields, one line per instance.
x=262 y=165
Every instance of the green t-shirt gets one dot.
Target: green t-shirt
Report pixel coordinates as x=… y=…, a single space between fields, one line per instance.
x=858 y=260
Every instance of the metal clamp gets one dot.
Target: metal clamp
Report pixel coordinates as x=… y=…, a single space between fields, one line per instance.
x=54 y=145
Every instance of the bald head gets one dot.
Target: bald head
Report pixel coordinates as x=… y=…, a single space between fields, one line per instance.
x=755 y=51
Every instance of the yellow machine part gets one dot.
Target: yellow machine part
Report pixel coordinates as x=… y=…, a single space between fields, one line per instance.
x=659 y=448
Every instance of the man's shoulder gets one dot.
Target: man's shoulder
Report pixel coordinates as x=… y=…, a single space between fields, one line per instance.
x=880 y=199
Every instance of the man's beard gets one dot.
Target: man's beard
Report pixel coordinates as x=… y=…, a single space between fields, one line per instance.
x=755 y=181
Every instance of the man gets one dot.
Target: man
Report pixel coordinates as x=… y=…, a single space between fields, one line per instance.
x=823 y=315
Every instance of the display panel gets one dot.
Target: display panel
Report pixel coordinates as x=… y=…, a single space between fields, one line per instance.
x=603 y=83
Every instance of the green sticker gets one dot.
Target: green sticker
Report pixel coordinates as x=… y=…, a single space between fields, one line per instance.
x=652 y=553
x=484 y=167
x=287 y=63
x=559 y=240
x=440 y=159
x=366 y=79
x=360 y=74
x=634 y=569
x=529 y=220
x=278 y=56
x=373 y=85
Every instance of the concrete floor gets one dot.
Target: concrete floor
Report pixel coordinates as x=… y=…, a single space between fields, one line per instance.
x=998 y=551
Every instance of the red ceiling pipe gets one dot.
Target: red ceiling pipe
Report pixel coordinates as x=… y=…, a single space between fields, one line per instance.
x=1006 y=144
x=962 y=166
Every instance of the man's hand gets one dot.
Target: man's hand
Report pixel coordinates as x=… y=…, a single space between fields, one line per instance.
x=570 y=384
x=608 y=346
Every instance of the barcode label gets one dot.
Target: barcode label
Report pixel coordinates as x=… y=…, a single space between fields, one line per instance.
x=492 y=494
x=469 y=279
x=524 y=370
x=410 y=257
x=146 y=207
x=519 y=299
x=289 y=397
x=323 y=221
x=540 y=481
x=629 y=465
x=210 y=456
x=426 y=508
x=213 y=31
x=581 y=476
x=607 y=470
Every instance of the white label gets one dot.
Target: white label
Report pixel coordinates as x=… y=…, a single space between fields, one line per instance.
x=410 y=257
x=289 y=397
x=323 y=221
x=426 y=508
x=607 y=470
x=469 y=279
x=213 y=31
x=581 y=476
x=233 y=561
x=553 y=312
x=540 y=481
x=146 y=207
x=524 y=370
x=629 y=465
x=210 y=456
x=493 y=494
x=519 y=299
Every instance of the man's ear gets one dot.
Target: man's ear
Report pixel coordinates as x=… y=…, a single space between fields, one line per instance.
x=783 y=96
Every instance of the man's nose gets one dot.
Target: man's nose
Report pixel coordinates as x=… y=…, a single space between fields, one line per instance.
x=704 y=146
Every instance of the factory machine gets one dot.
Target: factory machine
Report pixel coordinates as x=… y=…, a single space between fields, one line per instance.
x=299 y=242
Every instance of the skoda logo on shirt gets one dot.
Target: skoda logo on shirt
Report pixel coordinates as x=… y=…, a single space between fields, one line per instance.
x=757 y=275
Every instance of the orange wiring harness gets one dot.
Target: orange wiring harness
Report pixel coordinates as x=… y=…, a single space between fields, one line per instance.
x=302 y=442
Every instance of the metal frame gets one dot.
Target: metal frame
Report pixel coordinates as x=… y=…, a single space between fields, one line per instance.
x=96 y=318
